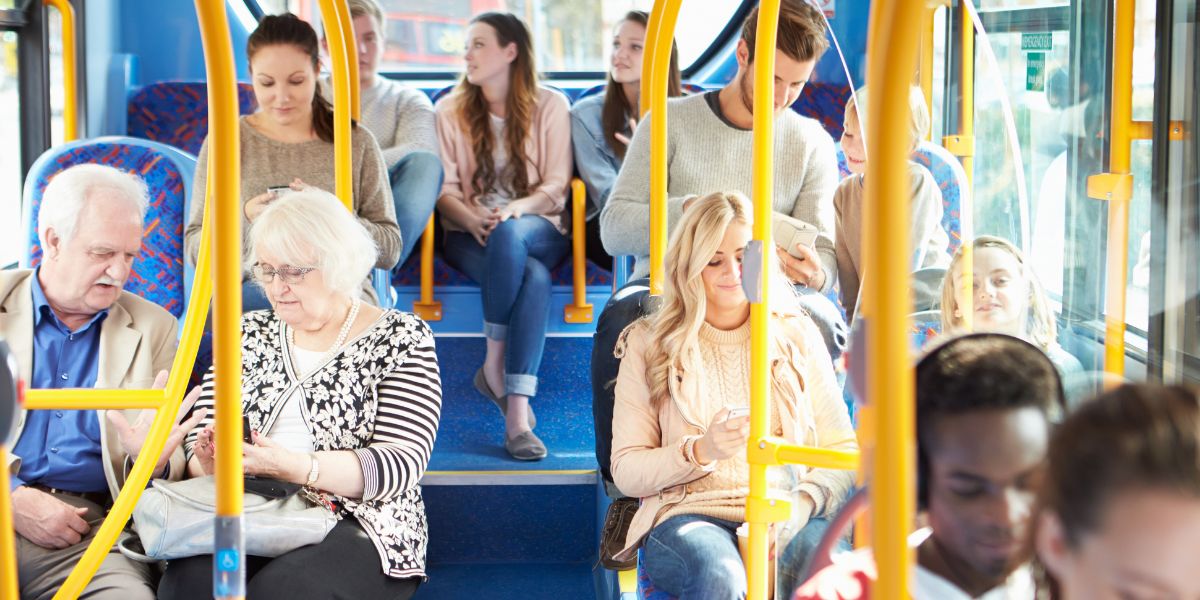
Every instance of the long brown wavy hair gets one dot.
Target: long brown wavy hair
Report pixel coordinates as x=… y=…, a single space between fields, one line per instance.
x=522 y=100
x=288 y=29
x=615 y=115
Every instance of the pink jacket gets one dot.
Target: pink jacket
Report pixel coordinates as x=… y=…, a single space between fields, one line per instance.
x=548 y=147
x=647 y=461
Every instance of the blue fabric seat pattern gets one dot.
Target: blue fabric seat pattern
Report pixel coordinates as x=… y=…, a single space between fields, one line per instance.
x=158 y=273
x=176 y=112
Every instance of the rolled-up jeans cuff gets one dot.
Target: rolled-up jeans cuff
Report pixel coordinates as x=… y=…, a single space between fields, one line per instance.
x=522 y=385
x=495 y=331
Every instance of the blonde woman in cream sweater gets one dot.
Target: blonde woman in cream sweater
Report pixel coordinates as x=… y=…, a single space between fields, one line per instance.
x=674 y=445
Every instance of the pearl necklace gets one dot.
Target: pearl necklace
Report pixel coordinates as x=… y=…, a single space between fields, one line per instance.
x=343 y=333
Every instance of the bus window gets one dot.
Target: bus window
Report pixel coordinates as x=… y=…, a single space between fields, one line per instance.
x=569 y=35
x=10 y=159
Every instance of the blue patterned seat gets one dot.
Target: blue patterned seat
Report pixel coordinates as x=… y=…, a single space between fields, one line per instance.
x=645 y=587
x=176 y=112
x=158 y=274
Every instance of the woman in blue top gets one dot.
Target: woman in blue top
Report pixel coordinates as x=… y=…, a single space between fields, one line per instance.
x=602 y=124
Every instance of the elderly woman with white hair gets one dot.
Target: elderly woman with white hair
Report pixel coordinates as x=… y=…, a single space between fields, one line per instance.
x=342 y=397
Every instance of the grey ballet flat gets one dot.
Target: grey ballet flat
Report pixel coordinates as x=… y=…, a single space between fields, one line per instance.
x=525 y=446
x=501 y=402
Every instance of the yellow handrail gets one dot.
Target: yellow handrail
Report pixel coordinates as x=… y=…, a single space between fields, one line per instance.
x=962 y=145
x=579 y=310
x=8 y=551
x=759 y=513
x=426 y=307
x=351 y=40
x=340 y=52
x=896 y=27
x=926 y=70
x=648 y=81
x=229 y=579
x=70 y=70
x=1116 y=186
x=660 y=67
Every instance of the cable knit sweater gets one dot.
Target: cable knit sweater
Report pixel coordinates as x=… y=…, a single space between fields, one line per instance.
x=647 y=457
x=706 y=153
x=400 y=118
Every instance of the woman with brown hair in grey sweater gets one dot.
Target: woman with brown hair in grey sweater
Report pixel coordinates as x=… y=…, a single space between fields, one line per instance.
x=287 y=144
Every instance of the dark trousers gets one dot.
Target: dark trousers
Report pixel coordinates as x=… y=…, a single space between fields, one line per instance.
x=345 y=566
x=630 y=303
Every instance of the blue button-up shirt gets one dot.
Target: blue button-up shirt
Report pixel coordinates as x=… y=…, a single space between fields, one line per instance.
x=61 y=448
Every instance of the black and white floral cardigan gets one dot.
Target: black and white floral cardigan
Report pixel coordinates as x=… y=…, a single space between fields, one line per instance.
x=380 y=397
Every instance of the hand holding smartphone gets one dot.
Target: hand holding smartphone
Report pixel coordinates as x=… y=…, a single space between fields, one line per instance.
x=246 y=437
x=790 y=232
x=737 y=412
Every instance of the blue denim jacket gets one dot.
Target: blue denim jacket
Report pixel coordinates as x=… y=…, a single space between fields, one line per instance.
x=594 y=158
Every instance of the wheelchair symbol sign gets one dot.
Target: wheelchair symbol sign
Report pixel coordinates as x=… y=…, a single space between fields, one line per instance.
x=227 y=560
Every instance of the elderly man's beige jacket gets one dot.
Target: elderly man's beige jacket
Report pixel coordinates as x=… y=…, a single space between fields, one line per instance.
x=137 y=340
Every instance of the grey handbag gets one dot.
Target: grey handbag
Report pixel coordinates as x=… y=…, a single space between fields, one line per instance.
x=175 y=520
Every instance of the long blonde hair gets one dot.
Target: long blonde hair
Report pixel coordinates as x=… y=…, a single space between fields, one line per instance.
x=1040 y=327
x=675 y=326
x=474 y=117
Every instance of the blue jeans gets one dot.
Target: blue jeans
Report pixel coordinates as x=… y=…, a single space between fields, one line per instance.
x=416 y=182
x=513 y=273
x=694 y=557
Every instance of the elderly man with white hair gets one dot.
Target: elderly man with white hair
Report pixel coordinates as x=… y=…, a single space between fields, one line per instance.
x=72 y=326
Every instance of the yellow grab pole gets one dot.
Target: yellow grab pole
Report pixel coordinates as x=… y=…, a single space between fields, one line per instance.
x=579 y=310
x=8 y=550
x=229 y=574
x=351 y=40
x=84 y=399
x=1116 y=186
x=966 y=152
x=648 y=83
x=338 y=47
x=763 y=184
x=658 y=142
x=426 y=307
x=896 y=27
x=70 y=70
x=927 y=64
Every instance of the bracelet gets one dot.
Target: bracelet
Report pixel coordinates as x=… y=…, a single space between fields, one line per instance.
x=689 y=454
x=313 y=471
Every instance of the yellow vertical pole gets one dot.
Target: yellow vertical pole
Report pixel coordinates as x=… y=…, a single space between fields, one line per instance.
x=658 y=142
x=1116 y=187
x=896 y=27
x=332 y=22
x=965 y=149
x=927 y=63
x=351 y=39
x=647 y=84
x=70 y=70
x=8 y=551
x=763 y=186
x=229 y=574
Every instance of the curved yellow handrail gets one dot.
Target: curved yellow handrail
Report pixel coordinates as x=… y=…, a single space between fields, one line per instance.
x=1116 y=186
x=963 y=146
x=648 y=81
x=70 y=70
x=8 y=551
x=660 y=67
x=579 y=310
x=758 y=513
x=351 y=40
x=896 y=27
x=339 y=51
x=225 y=199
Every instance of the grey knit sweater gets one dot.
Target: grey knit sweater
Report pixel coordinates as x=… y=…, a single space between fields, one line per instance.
x=705 y=154
x=400 y=118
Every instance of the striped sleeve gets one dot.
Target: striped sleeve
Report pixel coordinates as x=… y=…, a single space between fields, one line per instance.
x=205 y=401
x=410 y=404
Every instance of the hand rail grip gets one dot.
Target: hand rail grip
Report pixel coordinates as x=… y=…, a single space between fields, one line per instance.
x=70 y=69
x=579 y=311
x=427 y=307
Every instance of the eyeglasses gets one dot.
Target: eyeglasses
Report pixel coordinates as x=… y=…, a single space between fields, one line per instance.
x=290 y=275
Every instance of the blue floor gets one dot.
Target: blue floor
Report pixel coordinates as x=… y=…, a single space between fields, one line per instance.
x=471 y=434
x=509 y=582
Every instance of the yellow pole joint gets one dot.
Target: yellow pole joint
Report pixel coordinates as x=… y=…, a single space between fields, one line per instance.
x=771 y=451
x=70 y=69
x=579 y=311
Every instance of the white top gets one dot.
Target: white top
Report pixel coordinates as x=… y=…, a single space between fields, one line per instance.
x=497 y=199
x=290 y=429
x=928 y=585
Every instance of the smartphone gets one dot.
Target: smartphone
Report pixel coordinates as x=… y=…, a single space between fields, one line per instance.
x=279 y=190
x=737 y=412
x=790 y=232
x=246 y=430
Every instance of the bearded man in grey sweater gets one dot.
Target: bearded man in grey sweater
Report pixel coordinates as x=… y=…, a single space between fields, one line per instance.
x=709 y=149
x=401 y=119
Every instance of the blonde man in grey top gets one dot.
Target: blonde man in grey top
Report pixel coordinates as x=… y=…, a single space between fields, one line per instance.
x=402 y=121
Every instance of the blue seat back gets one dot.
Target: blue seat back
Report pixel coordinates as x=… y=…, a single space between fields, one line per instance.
x=158 y=273
x=176 y=112
x=952 y=180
